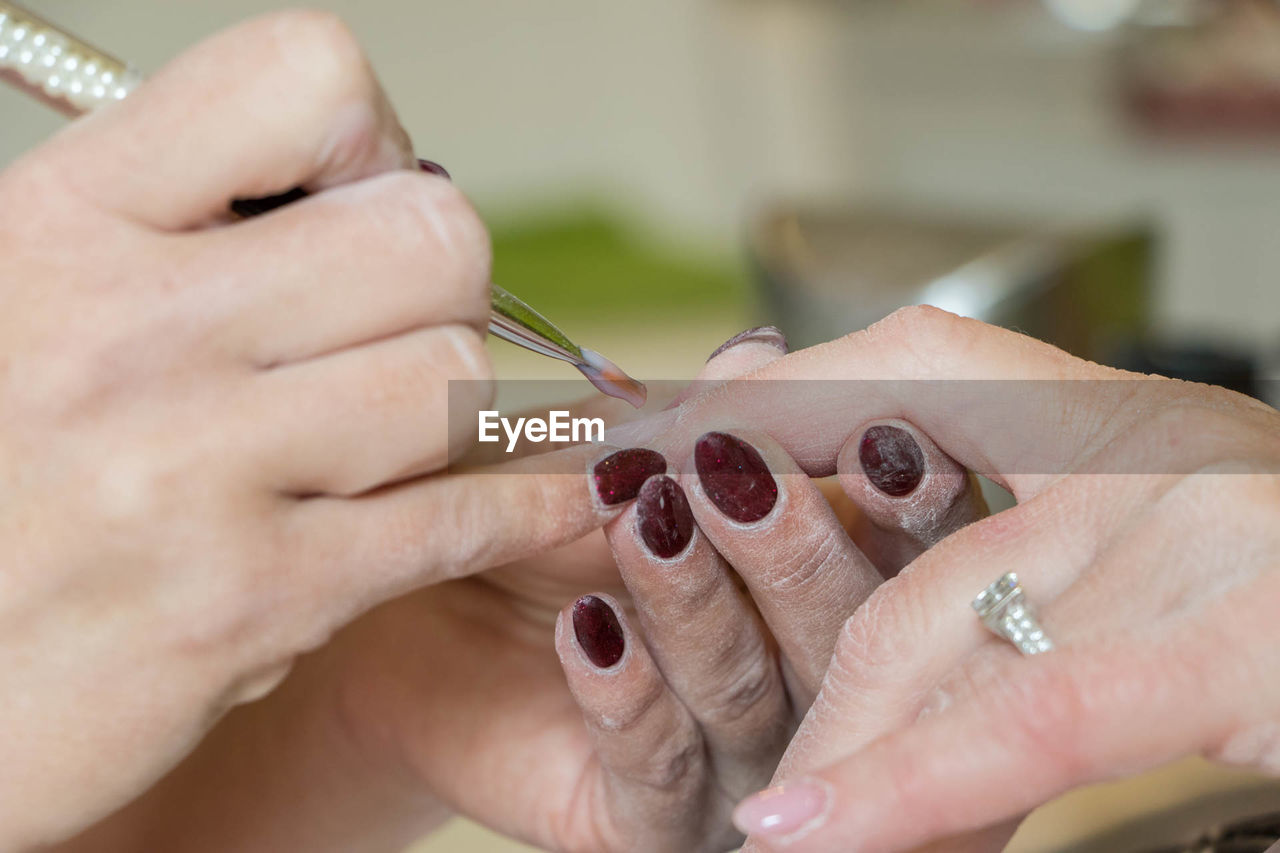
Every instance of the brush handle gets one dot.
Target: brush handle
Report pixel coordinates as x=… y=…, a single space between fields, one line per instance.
x=59 y=69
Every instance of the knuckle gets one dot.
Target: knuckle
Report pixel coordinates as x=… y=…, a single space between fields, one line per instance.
x=669 y=766
x=926 y=335
x=456 y=248
x=814 y=562
x=872 y=644
x=746 y=691
x=626 y=719
x=319 y=46
x=1049 y=716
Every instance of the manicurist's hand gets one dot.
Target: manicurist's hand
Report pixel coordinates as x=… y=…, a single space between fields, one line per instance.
x=1147 y=532
x=201 y=419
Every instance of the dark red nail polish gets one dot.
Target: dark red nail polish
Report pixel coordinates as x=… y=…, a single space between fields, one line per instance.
x=434 y=168
x=620 y=476
x=663 y=517
x=891 y=459
x=598 y=631
x=770 y=335
x=734 y=476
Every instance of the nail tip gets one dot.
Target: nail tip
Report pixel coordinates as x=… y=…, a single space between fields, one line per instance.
x=433 y=168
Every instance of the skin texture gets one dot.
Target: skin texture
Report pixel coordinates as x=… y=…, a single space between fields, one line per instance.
x=191 y=499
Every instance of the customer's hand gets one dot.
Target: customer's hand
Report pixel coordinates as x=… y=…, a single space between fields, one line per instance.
x=200 y=417
x=682 y=696
x=1147 y=531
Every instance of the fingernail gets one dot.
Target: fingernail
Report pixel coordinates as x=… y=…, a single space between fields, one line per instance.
x=434 y=168
x=598 y=631
x=620 y=476
x=770 y=335
x=785 y=812
x=663 y=517
x=734 y=476
x=891 y=459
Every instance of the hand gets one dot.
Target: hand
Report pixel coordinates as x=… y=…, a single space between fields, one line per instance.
x=453 y=696
x=1147 y=531
x=202 y=417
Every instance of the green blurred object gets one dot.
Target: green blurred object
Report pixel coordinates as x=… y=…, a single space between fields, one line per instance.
x=586 y=265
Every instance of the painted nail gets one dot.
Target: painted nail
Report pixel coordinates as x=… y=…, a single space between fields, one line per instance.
x=598 y=631
x=620 y=476
x=787 y=811
x=663 y=517
x=434 y=168
x=734 y=476
x=891 y=459
x=770 y=335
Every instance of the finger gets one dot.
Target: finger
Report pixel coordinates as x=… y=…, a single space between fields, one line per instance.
x=743 y=353
x=1039 y=412
x=780 y=535
x=360 y=418
x=912 y=493
x=920 y=628
x=423 y=260
x=1054 y=722
x=281 y=101
x=703 y=635
x=649 y=749
x=1111 y=595
x=369 y=548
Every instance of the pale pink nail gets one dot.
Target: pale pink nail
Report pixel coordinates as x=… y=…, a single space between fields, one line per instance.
x=785 y=812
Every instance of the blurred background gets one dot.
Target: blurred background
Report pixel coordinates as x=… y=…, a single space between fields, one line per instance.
x=1104 y=174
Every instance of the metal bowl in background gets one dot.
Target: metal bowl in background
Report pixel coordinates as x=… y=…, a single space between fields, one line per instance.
x=826 y=271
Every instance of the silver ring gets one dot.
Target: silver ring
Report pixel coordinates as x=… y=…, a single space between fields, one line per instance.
x=1004 y=609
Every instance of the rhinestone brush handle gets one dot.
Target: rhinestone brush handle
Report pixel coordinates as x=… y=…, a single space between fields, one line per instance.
x=66 y=73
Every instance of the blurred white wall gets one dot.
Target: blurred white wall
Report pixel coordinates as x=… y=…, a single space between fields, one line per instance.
x=684 y=112
x=1006 y=112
